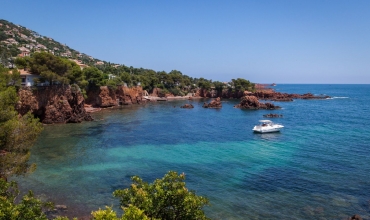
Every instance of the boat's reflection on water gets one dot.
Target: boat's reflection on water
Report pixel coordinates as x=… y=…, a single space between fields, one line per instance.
x=268 y=136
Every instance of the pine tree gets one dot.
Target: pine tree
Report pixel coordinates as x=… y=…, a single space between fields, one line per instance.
x=17 y=133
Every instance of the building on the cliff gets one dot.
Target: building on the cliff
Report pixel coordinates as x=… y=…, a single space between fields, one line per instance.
x=24 y=52
x=80 y=64
x=28 y=79
x=111 y=76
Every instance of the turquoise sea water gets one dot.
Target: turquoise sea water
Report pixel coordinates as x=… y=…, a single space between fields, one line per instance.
x=317 y=168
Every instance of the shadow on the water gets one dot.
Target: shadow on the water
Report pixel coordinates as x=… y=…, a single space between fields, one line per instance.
x=269 y=136
x=274 y=179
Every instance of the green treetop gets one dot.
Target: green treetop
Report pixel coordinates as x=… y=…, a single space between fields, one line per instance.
x=51 y=68
x=28 y=208
x=243 y=84
x=166 y=199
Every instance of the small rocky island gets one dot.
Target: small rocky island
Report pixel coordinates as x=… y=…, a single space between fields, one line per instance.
x=251 y=102
x=187 y=106
x=272 y=116
x=284 y=97
x=215 y=103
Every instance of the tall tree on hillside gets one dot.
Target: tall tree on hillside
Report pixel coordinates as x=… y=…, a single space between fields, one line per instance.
x=176 y=77
x=242 y=85
x=125 y=77
x=50 y=67
x=3 y=36
x=149 y=80
x=219 y=86
x=17 y=133
x=74 y=73
x=204 y=84
x=94 y=76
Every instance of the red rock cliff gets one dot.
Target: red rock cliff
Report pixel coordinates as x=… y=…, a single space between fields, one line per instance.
x=130 y=95
x=107 y=97
x=54 y=104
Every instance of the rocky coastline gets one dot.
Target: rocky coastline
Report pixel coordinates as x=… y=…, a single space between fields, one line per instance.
x=66 y=103
x=285 y=97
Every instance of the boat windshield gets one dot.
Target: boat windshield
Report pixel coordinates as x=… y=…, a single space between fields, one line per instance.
x=265 y=121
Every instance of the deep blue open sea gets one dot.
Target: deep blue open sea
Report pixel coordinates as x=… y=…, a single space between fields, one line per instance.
x=317 y=167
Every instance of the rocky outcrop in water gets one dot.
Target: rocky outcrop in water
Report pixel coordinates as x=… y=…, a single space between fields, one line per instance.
x=251 y=102
x=187 y=106
x=273 y=116
x=355 y=217
x=54 y=104
x=216 y=103
x=267 y=94
x=281 y=97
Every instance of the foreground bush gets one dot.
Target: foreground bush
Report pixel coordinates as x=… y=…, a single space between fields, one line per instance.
x=165 y=198
x=29 y=207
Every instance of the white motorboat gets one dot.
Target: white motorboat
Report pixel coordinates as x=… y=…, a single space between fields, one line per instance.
x=267 y=126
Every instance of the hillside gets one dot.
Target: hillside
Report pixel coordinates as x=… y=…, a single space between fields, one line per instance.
x=16 y=40
x=55 y=62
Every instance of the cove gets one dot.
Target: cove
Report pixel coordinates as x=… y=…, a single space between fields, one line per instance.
x=306 y=171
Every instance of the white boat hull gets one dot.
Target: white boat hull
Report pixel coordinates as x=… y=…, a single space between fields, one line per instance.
x=267 y=129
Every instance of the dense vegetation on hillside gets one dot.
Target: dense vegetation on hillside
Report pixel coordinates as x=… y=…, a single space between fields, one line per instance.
x=57 y=70
x=61 y=66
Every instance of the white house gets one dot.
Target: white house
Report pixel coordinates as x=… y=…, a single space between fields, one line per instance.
x=111 y=76
x=28 y=78
x=24 y=52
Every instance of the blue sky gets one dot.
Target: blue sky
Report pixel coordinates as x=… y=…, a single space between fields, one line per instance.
x=287 y=41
